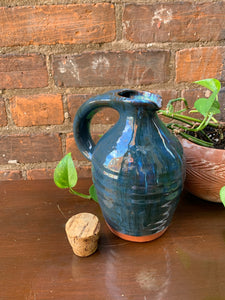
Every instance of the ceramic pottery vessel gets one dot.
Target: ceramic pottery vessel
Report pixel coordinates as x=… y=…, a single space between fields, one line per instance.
x=137 y=166
x=205 y=170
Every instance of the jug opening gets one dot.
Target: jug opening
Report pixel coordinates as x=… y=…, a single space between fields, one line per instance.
x=129 y=93
x=142 y=97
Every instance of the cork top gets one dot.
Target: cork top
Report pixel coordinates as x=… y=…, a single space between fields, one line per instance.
x=83 y=225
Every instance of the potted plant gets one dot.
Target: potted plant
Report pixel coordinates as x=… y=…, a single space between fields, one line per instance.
x=203 y=141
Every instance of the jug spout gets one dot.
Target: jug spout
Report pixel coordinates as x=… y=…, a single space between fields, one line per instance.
x=151 y=100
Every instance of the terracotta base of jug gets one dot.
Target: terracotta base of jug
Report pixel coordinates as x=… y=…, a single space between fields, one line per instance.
x=140 y=239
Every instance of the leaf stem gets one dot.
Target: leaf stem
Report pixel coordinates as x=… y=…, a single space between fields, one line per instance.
x=184 y=118
x=196 y=140
x=79 y=194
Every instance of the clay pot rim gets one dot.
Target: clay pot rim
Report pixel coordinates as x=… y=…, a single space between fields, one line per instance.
x=199 y=146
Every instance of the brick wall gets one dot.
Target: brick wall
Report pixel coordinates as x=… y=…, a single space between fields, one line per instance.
x=55 y=54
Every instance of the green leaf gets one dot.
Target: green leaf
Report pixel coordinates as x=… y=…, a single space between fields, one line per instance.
x=215 y=108
x=212 y=84
x=206 y=106
x=93 y=193
x=222 y=195
x=65 y=175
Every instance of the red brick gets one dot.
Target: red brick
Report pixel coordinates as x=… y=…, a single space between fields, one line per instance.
x=39 y=174
x=51 y=24
x=30 y=148
x=23 y=71
x=112 y=68
x=43 y=109
x=175 y=22
x=105 y=116
x=3 y=117
x=10 y=175
x=200 y=63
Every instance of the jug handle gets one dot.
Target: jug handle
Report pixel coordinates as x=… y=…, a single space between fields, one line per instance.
x=82 y=121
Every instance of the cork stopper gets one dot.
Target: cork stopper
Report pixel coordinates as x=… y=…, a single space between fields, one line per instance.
x=83 y=233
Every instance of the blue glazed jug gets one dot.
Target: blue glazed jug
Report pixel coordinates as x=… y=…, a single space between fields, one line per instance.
x=137 y=165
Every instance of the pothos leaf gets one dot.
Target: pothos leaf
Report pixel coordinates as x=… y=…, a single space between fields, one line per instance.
x=93 y=193
x=222 y=195
x=65 y=174
x=212 y=84
x=207 y=106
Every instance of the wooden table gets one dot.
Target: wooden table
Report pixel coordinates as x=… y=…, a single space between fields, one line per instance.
x=37 y=262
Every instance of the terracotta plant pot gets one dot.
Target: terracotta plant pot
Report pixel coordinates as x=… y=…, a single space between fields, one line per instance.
x=205 y=171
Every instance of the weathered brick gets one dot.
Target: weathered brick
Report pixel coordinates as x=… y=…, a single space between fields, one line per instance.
x=3 y=117
x=112 y=68
x=23 y=71
x=10 y=175
x=42 y=109
x=105 y=116
x=200 y=63
x=30 y=148
x=191 y=95
x=175 y=22
x=39 y=174
x=51 y=24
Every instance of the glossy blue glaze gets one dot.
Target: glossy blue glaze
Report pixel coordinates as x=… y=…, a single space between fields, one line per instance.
x=137 y=166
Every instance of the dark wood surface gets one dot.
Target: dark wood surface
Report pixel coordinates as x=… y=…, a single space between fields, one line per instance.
x=37 y=262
